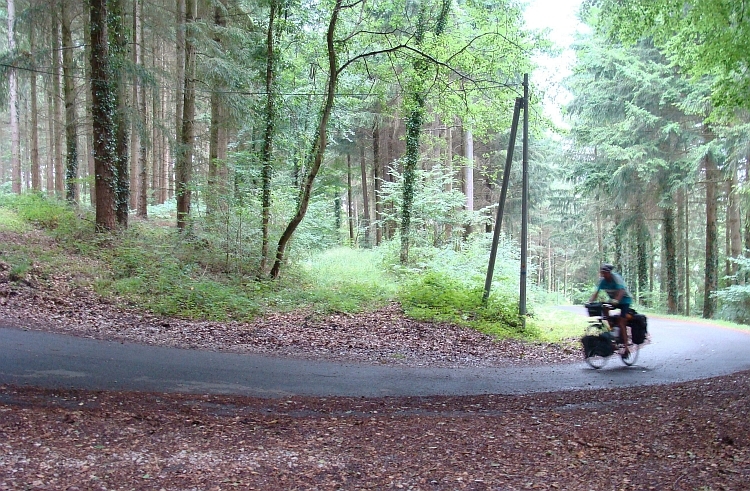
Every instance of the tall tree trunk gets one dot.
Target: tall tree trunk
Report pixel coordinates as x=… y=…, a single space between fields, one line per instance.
x=179 y=91
x=56 y=98
x=687 y=253
x=671 y=259
x=119 y=55
x=71 y=135
x=469 y=170
x=349 y=199
x=50 y=171
x=103 y=108
x=137 y=119
x=89 y=131
x=449 y=169
x=15 y=132
x=140 y=49
x=711 y=282
x=642 y=260
x=414 y=126
x=680 y=251
x=36 y=178
x=268 y=137
x=184 y=161
x=377 y=178
x=734 y=233
x=365 y=193
x=320 y=141
x=216 y=130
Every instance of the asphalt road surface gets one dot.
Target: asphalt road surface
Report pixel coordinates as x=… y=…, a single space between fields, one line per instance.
x=679 y=351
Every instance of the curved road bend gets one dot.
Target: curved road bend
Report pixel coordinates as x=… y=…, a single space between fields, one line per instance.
x=679 y=351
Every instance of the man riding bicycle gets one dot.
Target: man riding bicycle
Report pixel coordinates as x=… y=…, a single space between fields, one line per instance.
x=620 y=297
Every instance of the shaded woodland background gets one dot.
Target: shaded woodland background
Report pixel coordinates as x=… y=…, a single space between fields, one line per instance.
x=270 y=129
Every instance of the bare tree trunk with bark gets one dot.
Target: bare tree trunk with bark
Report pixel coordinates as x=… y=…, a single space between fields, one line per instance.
x=36 y=178
x=15 y=132
x=184 y=160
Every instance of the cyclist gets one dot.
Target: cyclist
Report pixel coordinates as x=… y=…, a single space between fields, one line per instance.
x=620 y=297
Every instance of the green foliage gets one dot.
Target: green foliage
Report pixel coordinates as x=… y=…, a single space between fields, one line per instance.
x=436 y=296
x=735 y=299
x=11 y=222
x=40 y=211
x=702 y=37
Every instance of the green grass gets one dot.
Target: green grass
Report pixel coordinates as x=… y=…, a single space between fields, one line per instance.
x=11 y=222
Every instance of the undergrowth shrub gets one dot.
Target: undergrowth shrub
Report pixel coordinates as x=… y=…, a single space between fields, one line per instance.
x=435 y=296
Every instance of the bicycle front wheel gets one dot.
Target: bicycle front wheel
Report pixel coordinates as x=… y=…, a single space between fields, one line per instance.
x=593 y=358
x=632 y=356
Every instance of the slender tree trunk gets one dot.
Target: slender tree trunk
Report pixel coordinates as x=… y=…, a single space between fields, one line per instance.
x=377 y=177
x=140 y=49
x=711 y=282
x=365 y=193
x=217 y=129
x=320 y=141
x=56 y=98
x=50 y=171
x=36 y=178
x=349 y=199
x=449 y=170
x=103 y=108
x=268 y=136
x=687 y=252
x=680 y=251
x=734 y=233
x=642 y=260
x=671 y=259
x=71 y=135
x=184 y=166
x=179 y=92
x=119 y=53
x=15 y=132
x=137 y=119
x=87 y=119
x=469 y=173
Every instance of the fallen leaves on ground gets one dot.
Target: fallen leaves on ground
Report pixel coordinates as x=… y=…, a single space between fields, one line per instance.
x=689 y=436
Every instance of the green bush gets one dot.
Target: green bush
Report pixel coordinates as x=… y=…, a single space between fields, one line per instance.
x=438 y=297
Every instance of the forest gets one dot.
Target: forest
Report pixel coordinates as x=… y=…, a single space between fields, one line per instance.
x=263 y=132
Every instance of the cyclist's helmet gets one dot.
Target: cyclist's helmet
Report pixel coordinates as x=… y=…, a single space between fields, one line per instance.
x=607 y=268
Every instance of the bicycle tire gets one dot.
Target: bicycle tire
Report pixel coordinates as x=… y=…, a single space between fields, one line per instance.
x=594 y=360
x=630 y=360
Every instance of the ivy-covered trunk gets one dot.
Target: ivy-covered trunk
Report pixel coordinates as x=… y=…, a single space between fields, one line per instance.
x=266 y=155
x=118 y=53
x=71 y=135
x=416 y=108
x=642 y=264
x=102 y=112
x=711 y=282
x=413 y=131
x=670 y=250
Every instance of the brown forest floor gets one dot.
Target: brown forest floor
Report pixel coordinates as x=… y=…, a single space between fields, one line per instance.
x=689 y=436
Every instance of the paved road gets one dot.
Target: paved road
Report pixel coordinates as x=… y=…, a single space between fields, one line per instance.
x=679 y=351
